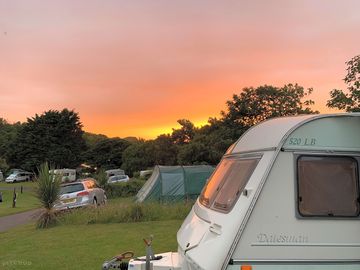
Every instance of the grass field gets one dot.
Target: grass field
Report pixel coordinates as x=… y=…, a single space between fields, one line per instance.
x=17 y=185
x=25 y=201
x=124 y=210
x=81 y=246
x=85 y=238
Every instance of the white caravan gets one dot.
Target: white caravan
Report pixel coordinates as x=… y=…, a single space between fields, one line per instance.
x=284 y=196
x=113 y=172
x=67 y=175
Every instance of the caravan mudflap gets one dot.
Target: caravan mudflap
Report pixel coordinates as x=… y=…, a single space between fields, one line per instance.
x=294 y=265
x=168 y=261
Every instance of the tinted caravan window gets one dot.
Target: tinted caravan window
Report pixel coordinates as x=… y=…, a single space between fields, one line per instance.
x=227 y=182
x=328 y=186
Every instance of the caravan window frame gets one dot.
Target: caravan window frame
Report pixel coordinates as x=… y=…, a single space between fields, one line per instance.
x=300 y=213
x=224 y=183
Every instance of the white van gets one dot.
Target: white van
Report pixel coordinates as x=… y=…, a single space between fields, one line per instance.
x=19 y=176
x=67 y=175
x=284 y=196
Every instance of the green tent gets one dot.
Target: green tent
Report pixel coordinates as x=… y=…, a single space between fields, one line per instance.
x=174 y=183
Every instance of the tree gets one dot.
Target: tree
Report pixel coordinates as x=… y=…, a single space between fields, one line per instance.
x=92 y=139
x=254 y=105
x=54 y=137
x=185 y=133
x=189 y=145
x=107 y=153
x=8 y=133
x=349 y=101
x=208 y=145
x=138 y=156
x=163 y=150
x=4 y=167
x=194 y=153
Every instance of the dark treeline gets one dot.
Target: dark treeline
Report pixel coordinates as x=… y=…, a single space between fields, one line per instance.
x=57 y=136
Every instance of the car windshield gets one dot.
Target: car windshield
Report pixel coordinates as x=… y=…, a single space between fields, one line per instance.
x=71 y=188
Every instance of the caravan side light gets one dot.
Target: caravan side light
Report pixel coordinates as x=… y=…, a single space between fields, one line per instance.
x=246 y=267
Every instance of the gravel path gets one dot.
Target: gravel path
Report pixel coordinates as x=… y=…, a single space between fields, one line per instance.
x=9 y=222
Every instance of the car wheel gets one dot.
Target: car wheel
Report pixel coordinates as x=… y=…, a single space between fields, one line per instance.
x=105 y=199
x=95 y=204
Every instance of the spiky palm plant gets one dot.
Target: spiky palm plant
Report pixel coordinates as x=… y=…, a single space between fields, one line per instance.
x=48 y=192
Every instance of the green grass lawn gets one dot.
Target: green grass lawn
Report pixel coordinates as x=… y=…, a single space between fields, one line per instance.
x=81 y=246
x=25 y=201
x=17 y=185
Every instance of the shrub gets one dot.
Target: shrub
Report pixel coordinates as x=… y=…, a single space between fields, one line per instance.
x=126 y=189
x=102 y=178
x=122 y=211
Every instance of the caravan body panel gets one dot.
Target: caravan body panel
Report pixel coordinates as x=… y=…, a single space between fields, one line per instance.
x=67 y=175
x=275 y=231
x=203 y=247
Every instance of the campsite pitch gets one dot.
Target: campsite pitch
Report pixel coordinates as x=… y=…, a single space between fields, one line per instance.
x=82 y=246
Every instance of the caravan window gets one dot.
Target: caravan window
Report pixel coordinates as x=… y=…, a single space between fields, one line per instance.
x=227 y=182
x=328 y=186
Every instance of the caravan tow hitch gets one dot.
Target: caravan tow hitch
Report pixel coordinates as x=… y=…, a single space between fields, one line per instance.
x=117 y=261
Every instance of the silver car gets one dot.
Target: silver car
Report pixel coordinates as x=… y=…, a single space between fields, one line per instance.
x=82 y=193
x=118 y=178
x=19 y=176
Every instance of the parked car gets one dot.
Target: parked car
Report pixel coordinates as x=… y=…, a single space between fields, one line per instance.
x=19 y=176
x=86 y=192
x=118 y=178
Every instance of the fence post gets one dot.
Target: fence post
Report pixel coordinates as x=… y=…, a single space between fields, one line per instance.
x=14 y=199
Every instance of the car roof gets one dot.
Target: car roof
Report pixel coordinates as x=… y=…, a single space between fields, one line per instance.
x=72 y=183
x=84 y=180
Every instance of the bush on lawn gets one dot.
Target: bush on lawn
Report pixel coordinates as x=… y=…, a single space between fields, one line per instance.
x=126 y=189
x=120 y=212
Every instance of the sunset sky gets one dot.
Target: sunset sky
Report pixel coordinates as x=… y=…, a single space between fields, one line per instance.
x=133 y=68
